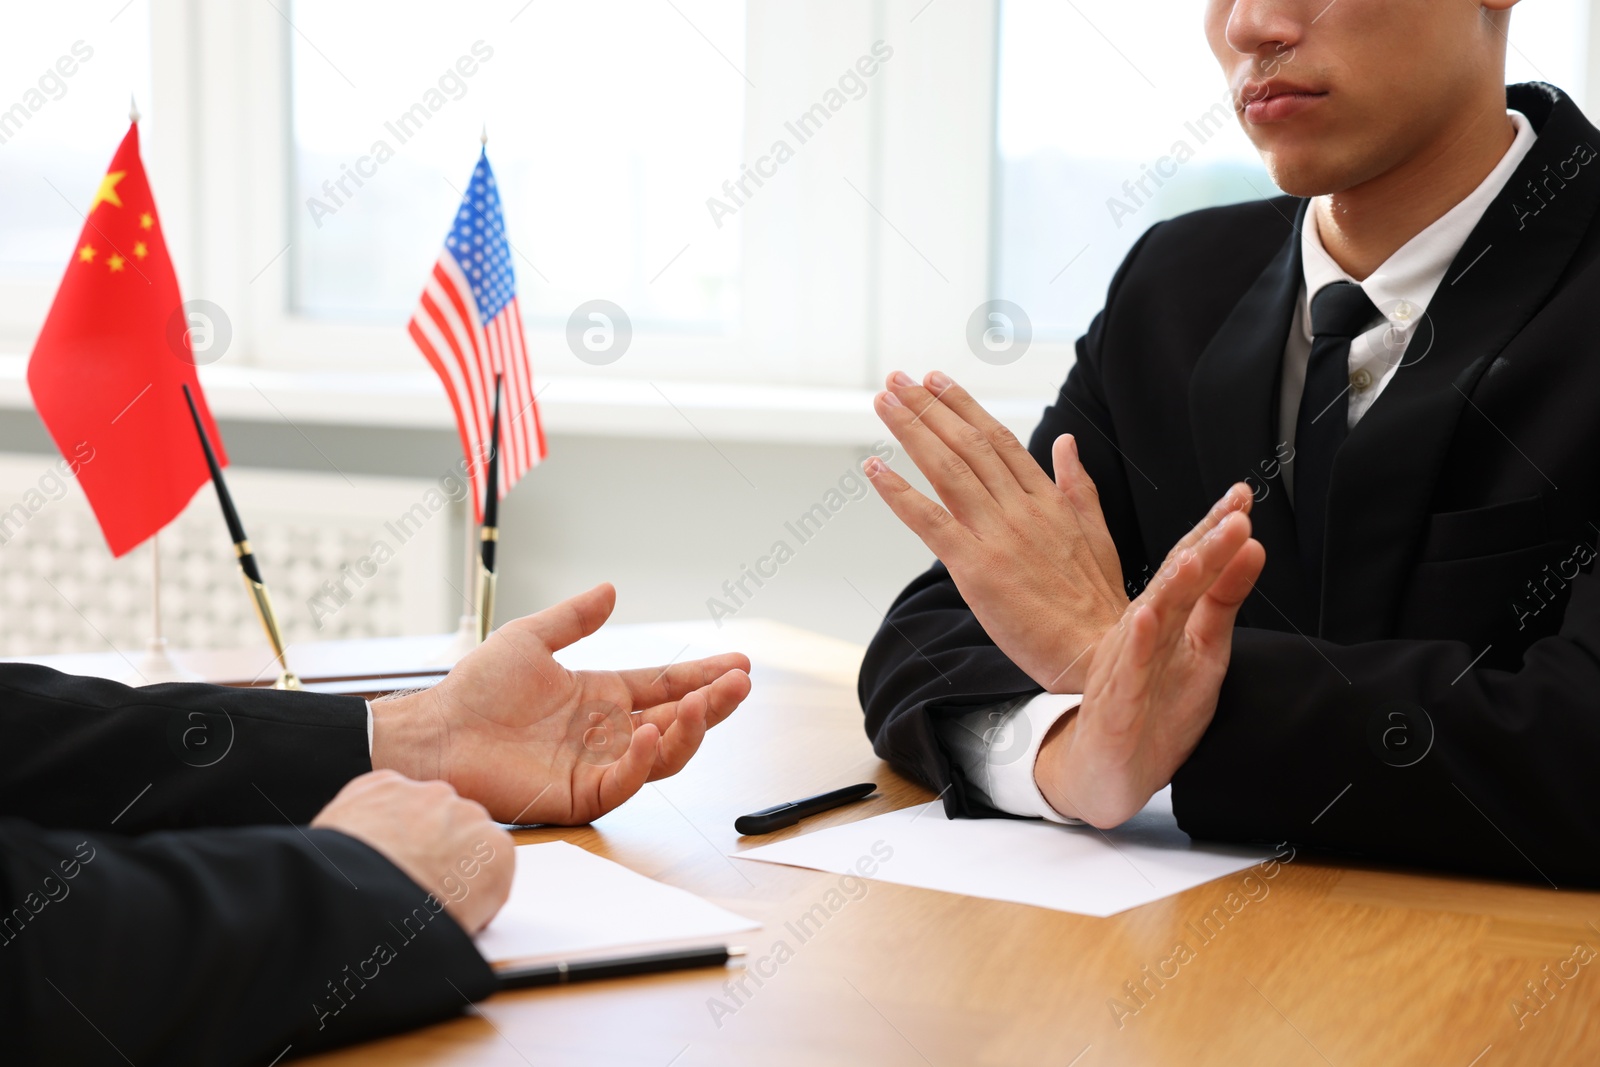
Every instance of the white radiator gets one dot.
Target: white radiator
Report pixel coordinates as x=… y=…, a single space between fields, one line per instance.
x=356 y=557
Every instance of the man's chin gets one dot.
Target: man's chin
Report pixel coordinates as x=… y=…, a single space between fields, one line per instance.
x=1307 y=174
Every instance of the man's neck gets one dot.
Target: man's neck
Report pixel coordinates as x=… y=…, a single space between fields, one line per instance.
x=1364 y=225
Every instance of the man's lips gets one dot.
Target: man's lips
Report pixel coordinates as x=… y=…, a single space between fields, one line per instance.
x=1263 y=102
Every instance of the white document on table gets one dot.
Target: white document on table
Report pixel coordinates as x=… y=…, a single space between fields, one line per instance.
x=1067 y=868
x=568 y=903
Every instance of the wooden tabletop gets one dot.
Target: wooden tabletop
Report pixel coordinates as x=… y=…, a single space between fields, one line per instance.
x=1316 y=965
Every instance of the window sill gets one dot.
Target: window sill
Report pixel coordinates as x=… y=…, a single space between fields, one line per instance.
x=597 y=407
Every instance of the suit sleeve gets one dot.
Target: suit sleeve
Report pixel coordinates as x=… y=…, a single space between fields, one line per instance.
x=216 y=946
x=92 y=754
x=931 y=659
x=1403 y=751
x=161 y=900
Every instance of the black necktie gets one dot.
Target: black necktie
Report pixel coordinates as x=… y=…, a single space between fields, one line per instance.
x=1339 y=312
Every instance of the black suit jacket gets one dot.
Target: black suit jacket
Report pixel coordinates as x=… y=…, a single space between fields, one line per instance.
x=1444 y=710
x=161 y=901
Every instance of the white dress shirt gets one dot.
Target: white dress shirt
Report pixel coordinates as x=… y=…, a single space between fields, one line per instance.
x=996 y=747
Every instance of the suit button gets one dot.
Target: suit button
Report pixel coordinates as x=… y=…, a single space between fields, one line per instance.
x=1361 y=380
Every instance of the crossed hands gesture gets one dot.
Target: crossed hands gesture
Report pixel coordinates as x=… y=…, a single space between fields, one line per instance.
x=1033 y=559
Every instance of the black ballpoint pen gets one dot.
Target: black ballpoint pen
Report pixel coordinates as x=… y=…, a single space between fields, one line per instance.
x=778 y=816
x=241 y=548
x=489 y=536
x=546 y=974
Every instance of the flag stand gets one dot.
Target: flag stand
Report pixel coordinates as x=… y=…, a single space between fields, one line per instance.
x=157 y=665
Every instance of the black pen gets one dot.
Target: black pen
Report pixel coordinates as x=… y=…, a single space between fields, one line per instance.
x=777 y=817
x=241 y=548
x=544 y=974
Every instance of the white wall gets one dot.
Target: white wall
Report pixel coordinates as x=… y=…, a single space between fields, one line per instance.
x=670 y=521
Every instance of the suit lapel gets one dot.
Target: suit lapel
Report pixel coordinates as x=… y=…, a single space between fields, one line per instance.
x=1233 y=409
x=1384 y=474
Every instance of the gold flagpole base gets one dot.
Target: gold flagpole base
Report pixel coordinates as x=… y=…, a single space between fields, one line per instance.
x=287 y=680
x=486 y=583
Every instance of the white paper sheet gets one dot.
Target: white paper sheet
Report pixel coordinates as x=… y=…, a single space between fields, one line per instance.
x=567 y=903
x=1067 y=868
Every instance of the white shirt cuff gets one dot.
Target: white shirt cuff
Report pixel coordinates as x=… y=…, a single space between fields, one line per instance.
x=996 y=748
x=369 y=728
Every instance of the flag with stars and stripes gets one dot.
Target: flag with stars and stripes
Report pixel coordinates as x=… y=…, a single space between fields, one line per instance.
x=469 y=327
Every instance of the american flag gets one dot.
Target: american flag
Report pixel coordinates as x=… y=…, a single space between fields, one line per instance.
x=469 y=327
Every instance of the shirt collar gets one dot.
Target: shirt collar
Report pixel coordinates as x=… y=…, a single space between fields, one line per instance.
x=1405 y=282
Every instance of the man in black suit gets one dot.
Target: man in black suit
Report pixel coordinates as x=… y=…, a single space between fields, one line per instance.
x=1384 y=637
x=196 y=874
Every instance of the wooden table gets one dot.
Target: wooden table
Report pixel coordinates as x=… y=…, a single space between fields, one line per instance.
x=1323 y=964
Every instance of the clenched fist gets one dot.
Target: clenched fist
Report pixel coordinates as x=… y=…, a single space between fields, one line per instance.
x=446 y=844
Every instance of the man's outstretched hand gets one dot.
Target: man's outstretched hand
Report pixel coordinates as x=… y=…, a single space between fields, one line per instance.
x=534 y=742
x=1156 y=676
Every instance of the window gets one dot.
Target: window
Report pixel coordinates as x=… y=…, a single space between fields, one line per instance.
x=1108 y=122
x=66 y=71
x=1549 y=41
x=636 y=160
x=604 y=155
x=61 y=63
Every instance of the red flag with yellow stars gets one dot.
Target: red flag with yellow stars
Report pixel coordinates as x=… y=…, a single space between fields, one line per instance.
x=107 y=369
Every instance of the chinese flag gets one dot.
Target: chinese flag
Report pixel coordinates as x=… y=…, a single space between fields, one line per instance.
x=107 y=370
